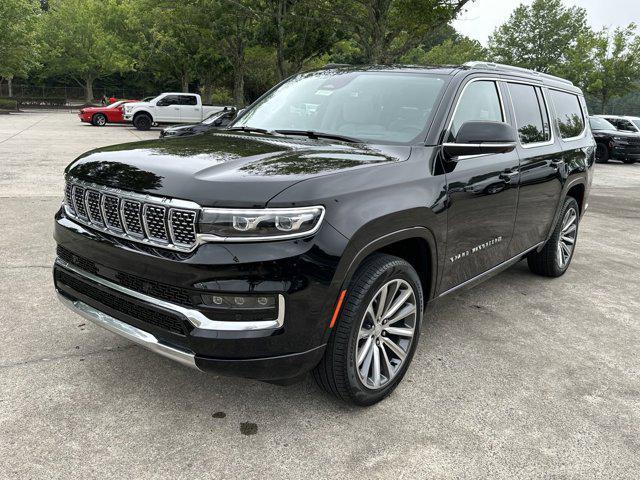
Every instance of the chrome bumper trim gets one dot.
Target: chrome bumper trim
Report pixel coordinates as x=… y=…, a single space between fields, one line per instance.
x=196 y=318
x=129 y=332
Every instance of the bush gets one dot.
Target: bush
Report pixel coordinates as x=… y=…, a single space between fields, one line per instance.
x=221 y=96
x=55 y=102
x=8 y=104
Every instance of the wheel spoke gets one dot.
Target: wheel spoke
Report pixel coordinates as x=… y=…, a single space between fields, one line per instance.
x=366 y=365
x=402 y=314
x=376 y=366
x=387 y=363
x=364 y=333
x=402 y=299
x=381 y=302
x=395 y=348
x=400 y=331
x=566 y=250
x=362 y=354
x=568 y=240
x=568 y=229
x=391 y=294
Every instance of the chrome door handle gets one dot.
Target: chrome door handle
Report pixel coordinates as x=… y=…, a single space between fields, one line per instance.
x=508 y=175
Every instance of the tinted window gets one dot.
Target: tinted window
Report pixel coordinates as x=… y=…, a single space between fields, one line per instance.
x=626 y=125
x=369 y=106
x=480 y=101
x=169 y=100
x=531 y=113
x=188 y=100
x=568 y=114
x=598 y=123
x=636 y=122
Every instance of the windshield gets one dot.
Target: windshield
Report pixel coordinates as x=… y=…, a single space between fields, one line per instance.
x=116 y=104
x=636 y=122
x=369 y=106
x=598 y=123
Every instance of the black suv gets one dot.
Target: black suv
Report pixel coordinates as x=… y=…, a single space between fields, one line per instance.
x=311 y=233
x=614 y=144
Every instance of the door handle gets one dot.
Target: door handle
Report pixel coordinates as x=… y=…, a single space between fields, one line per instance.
x=508 y=175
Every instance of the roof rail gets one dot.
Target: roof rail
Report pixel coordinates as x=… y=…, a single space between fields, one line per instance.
x=501 y=66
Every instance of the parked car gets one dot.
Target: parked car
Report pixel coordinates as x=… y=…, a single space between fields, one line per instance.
x=613 y=143
x=623 y=123
x=168 y=108
x=310 y=234
x=215 y=120
x=100 y=116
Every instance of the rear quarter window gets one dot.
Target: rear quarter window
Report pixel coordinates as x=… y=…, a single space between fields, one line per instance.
x=569 y=114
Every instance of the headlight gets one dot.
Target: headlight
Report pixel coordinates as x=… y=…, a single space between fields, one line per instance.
x=223 y=224
x=619 y=139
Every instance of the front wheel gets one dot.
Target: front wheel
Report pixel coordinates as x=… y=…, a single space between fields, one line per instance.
x=142 y=122
x=99 y=120
x=602 y=153
x=377 y=332
x=555 y=257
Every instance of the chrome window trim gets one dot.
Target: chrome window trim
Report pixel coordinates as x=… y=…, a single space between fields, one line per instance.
x=195 y=317
x=515 y=116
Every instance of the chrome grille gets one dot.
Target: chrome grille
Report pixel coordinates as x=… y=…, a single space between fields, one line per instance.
x=93 y=206
x=131 y=216
x=155 y=221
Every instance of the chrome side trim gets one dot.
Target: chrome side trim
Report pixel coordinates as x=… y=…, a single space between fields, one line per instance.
x=129 y=332
x=196 y=318
x=497 y=268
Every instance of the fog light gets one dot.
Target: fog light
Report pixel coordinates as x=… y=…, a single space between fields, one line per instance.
x=217 y=300
x=263 y=301
x=240 y=302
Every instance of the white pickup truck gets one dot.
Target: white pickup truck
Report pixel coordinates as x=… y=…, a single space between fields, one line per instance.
x=168 y=107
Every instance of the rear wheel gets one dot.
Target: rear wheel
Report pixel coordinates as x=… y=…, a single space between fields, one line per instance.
x=602 y=153
x=99 y=120
x=377 y=332
x=142 y=122
x=554 y=259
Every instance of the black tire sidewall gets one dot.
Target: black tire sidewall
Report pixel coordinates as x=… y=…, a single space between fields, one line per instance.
x=605 y=151
x=397 y=270
x=142 y=122
x=555 y=238
x=95 y=118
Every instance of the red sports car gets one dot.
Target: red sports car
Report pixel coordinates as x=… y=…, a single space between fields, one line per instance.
x=100 y=116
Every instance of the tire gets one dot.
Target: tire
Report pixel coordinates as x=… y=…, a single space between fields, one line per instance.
x=337 y=372
x=142 y=121
x=602 y=153
x=555 y=257
x=629 y=161
x=99 y=120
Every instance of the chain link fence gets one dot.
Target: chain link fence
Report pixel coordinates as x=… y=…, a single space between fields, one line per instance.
x=61 y=97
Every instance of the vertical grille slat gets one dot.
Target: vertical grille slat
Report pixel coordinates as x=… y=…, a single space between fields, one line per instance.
x=154 y=221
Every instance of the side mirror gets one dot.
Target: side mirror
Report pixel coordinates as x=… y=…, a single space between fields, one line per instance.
x=481 y=138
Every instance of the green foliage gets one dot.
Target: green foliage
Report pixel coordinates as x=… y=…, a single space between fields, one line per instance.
x=539 y=36
x=450 y=52
x=85 y=40
x=18 y=37
x=8 y=104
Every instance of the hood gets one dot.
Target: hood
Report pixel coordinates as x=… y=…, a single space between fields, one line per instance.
x=232 y=169
x=617 y=133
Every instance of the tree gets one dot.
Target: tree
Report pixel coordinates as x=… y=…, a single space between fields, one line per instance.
x=18 y=44
x=84 y=40
x=452 y=52
x=540 y=36
x=385 y=30
x=616 y=69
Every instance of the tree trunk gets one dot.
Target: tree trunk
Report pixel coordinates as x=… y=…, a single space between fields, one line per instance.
x=280 y=14
x=88 y=89
x=207 y=88
x=238 y=85
x=185 y=83
x=10 y=85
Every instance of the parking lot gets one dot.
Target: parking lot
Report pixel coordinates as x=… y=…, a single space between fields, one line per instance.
x=520 y=377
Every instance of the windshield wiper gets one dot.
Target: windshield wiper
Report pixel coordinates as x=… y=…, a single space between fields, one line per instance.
x=315 y=135
x=252 y=129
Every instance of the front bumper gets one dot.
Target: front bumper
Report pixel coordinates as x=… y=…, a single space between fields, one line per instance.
x=127 y=117
x=625 y=151
x=299 y=273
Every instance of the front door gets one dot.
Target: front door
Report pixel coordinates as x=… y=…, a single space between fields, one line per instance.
x=168 y=109
x=482 y=193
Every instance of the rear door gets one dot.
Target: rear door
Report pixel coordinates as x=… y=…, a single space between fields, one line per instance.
x=482 y=192
x=541 y=165
x=190 y=111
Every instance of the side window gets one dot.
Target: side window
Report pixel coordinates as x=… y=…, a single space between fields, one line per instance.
x=168 y=100
x=480 y=101
x=625 y=125
x=532 y=117
x=568 y=114
x=612 y=121
x=188 y=100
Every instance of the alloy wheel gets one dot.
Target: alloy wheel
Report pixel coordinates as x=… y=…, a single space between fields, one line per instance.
x=567 y=239
x=386 y=333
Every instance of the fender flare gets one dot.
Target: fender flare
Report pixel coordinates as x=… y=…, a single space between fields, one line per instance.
x=581 y=180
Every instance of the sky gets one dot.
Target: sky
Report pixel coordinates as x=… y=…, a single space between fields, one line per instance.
x=483 y=16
